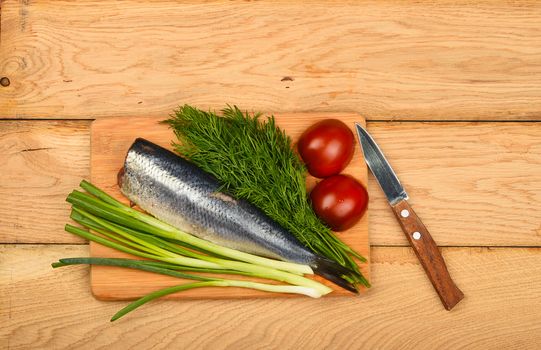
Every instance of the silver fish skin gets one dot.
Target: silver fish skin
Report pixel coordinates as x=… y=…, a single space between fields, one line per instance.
x=181 y=194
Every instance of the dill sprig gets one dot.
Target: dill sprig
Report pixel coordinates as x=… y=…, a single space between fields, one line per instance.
x=254 y=160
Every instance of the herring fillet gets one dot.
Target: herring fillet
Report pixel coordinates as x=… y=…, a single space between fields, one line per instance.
x=181 y=194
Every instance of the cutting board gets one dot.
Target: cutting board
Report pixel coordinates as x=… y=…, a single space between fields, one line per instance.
x=110 y=140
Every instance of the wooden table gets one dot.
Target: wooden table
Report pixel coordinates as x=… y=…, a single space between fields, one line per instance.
x=451 y=90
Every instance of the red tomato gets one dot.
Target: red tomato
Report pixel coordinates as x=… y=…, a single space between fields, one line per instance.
x=340 y=201
x=326 y=147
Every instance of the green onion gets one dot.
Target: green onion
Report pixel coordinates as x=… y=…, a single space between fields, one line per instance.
x=172 y=252
x=205 y=281
x=161 y=293
x=129 y=263
x=217 y=283
x=151 y=267
x=124 y=215
x=148 y=250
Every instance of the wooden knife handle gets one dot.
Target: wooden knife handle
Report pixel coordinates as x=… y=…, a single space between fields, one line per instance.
x=428 y=253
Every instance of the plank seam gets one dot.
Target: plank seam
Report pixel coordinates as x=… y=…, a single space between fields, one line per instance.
x=454 y=121
x=1 y=2
x=368 y=120
x=48 y=119
x=462 y=246
x=371 y=246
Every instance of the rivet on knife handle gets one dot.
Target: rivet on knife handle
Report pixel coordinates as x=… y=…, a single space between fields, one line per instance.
x=428 y=253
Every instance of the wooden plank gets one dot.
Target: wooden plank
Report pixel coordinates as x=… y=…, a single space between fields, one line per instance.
x=419 y=60
x=472 y=184
x=110 y=140
x=45 y=308
x=41 y=162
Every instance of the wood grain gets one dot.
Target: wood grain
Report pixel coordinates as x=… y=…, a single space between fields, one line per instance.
x=40 y=163
x=421 y=60
x=45 y=308
x=472 y=183
x=111 y=139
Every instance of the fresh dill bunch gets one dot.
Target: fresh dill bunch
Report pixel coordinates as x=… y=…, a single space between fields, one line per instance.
x=254 y=160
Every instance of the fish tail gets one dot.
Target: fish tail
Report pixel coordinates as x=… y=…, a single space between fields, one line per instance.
x=333 y=272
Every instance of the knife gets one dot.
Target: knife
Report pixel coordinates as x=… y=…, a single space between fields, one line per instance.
x=417 y=234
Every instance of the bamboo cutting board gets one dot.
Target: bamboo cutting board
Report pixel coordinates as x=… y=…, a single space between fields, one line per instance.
x=110 y=140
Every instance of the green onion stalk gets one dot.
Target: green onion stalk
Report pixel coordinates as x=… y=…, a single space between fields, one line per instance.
x=130 y=216
x=172 y=252
x=170 y=271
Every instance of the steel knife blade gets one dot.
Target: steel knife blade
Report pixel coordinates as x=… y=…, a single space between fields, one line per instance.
x=416 y=232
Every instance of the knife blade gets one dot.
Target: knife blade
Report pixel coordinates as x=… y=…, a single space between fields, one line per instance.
x=416 y=232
